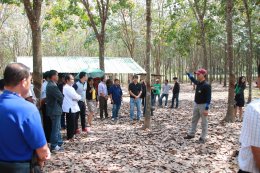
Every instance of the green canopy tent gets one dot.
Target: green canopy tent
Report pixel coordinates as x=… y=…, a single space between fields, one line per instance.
x=94 y=73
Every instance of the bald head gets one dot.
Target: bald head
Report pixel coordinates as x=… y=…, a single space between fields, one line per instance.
x=14 y=73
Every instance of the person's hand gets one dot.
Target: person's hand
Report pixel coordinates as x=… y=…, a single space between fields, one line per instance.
x=40 y=163
x=112 y=102
x=205 y=112
x=106 y=97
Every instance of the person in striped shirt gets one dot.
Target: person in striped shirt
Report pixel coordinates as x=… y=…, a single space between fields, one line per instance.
x=249 y=154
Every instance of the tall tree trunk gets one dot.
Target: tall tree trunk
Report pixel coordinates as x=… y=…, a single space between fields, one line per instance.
x=250 y=50
x=147 y=120
x=225 y=67
x=203 y=40
x=33 y=11
x=37 y=61
x=101 y=44
x=230 y=111
x=103 y=8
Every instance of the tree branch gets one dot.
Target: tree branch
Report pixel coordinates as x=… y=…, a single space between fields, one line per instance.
x=29 y=10
x=91 y=18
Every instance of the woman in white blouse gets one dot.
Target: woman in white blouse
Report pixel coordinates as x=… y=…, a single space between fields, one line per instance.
x=70 y=105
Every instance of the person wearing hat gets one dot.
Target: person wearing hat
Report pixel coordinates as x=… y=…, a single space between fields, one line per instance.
x=175 y=92
x=201 y=104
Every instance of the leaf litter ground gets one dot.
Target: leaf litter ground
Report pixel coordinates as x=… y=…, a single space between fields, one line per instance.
x=122 y=147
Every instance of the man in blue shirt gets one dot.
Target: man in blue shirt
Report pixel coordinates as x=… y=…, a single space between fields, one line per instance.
x=116 y=98
x=21 y=132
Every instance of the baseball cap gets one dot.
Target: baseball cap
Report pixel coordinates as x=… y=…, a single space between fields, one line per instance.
x=201 y=71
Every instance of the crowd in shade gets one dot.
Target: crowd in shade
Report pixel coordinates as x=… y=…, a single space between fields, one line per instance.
x=71 y=104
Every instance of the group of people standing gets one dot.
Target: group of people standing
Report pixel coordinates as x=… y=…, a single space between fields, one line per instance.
x=26 y=137
x=69 y=99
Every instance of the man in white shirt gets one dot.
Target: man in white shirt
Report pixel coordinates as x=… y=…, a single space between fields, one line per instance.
x=249 y=154
x=165 y=93
x=103 y=96
x=70 y=105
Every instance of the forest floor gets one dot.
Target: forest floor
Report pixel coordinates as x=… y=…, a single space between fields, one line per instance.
x=122 y=147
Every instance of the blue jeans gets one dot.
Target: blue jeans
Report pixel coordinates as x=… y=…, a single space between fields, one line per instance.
x=162 y=96
x=154 y=99
x=175 y=96
x=115 y=110
x=55 y=132
x=134 y=103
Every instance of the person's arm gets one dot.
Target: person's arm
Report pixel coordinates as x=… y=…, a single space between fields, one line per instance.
x=34 y=136
x=140 y=92
x=256 y=154
x=73 y=94
x=100 y=91
x=208 y=99
x=192 y=79
x=55 y=92
x=43 y=154
x=132 y=94
x=178 y=87
x=75 y=86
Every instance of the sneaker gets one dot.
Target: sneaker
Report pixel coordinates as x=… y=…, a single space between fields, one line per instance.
x=201 y=141
x=166 y=106
x=113 y=119
x=57 y=149
x=85 y=130
x=77 y=131
x=189 y=137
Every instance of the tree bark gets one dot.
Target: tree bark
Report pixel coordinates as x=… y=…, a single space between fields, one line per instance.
x=230 y=111
x=250 y=50
x=200 y=14
x=147 y=120
x=33 y=11
x=102 y=7
x=225 y=67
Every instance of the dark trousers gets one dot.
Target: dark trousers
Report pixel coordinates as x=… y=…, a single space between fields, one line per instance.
x=175 y=97
x=82 y=114
x=166 y=99
x=62 y=120
x=46 y=123
x=143 y=101
x=103 y=106
x=71 y=123
x=6 y=167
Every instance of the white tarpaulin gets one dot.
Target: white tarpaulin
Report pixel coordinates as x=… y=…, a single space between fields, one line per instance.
x=76 y=64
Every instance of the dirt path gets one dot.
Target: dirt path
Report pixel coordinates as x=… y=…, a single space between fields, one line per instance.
x=121 y=147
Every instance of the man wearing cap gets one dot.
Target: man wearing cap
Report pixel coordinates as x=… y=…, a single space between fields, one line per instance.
x=201 y=105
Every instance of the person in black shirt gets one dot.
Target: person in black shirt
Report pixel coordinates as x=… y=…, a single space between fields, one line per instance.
x=61 y=84
x=175 y=92
x=201 y=105
x=135 y=91
x=239 y=96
